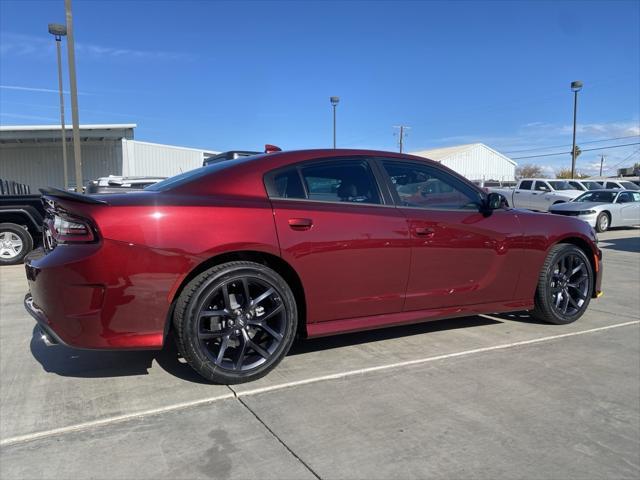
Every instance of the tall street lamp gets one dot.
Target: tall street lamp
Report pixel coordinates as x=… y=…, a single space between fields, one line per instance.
x=334 y=103
x=71 y=54
x=576 y=86
x=59 y=31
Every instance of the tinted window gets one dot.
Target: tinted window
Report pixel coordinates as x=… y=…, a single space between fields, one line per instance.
x=427 y=187
x=592 y=185
x=611 y=185
x=625 y=197
x=562 y=185
x=542 y=186
x=287 y=184
x=576 y=185
x=341 y=181
x=629 y=185
x=526 y=185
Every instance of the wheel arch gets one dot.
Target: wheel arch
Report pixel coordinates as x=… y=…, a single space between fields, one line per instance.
x=274 y=262
x=583 y=245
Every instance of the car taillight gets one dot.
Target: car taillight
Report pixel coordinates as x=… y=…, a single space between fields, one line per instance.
x=70 y=230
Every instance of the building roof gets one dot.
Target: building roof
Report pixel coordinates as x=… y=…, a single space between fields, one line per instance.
x=51 y=133
x=440 y=154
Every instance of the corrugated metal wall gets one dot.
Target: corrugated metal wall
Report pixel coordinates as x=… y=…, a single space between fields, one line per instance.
x=40 y=165
x=481 y=163
x=153 y=159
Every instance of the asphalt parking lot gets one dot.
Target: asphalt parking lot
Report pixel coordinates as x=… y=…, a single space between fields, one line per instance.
x=478 y=397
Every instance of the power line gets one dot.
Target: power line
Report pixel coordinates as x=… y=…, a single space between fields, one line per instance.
x=566 y=145
x=624 y=160
x=585 y=150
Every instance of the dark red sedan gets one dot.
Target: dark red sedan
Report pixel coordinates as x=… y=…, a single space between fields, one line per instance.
x=237 y=258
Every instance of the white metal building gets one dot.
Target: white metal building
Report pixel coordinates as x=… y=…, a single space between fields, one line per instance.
x=475 y=161
x=32 y=154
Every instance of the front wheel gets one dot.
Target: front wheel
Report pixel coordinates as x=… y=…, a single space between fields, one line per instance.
x=235 y=322
x=602 y=222
x=565 y=285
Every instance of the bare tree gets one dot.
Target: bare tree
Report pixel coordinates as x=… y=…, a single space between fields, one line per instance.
x=529 y=171
x=566 y=173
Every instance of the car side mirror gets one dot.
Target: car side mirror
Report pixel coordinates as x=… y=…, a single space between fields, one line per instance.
x=495 y=201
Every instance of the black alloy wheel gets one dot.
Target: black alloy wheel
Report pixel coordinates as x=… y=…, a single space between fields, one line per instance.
x=235 y=322
x=565 y=285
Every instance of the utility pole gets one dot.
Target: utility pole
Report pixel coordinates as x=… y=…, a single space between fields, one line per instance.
x=576 y=86
x=74 y=96
x=401 y=134
x=59 y=31
x=601 y=163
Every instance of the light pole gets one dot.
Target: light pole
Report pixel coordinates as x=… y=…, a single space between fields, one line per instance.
x=576 y=86
x=59 y=31
x=74 y=96
x=334 y=103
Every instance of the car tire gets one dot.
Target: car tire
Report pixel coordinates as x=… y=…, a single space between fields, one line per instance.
x=15 y=243
x=565 y=285
x=603 y=222
x=234 y=322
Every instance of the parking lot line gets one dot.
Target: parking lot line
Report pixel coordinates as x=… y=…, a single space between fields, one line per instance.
x=280 y=386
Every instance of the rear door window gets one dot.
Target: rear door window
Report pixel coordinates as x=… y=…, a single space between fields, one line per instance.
x=341 y=181
x=344 y=180
x=525 y=185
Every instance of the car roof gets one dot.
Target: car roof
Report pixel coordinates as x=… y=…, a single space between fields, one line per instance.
x=241 y=176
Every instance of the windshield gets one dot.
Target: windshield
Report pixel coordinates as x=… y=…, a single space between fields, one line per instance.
x=629 y=185
x=591 y=185
x=561 y=185
x=597 y=197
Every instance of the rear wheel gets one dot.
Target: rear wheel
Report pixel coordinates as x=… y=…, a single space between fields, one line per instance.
x=235 y=322
x=15 y=243
x=602 y=222
x=565 y=285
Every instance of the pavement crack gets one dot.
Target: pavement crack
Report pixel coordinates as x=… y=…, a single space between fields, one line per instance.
x=273 y=434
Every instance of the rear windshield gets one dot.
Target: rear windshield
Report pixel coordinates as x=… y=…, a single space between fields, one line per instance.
x=196 y=174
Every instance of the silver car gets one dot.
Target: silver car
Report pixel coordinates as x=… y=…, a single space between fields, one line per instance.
x=603 y=209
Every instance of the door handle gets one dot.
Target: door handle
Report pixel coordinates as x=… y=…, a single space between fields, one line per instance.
x=424 y=231
x=300 y=223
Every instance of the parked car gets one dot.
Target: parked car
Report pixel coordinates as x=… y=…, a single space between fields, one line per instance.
x=616 y=183
x=585 y=185
x=119 y=184
x=603 y=209
x=538 y=194
x=21 y=218
x=237 y=258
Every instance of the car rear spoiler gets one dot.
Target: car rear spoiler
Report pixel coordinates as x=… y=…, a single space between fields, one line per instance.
x=75 y=197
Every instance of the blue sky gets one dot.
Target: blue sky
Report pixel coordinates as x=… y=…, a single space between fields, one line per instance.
x=229 y=75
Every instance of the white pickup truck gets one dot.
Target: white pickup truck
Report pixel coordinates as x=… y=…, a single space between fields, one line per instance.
x=538 y=193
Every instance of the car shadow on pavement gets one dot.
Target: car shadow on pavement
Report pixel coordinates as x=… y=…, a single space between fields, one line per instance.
x=631 y=244
x=71 y=362
x=369 y=336
x=524 y=317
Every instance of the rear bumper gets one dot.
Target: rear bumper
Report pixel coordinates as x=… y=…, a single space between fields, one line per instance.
x=48 y=335
x=81 y=297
